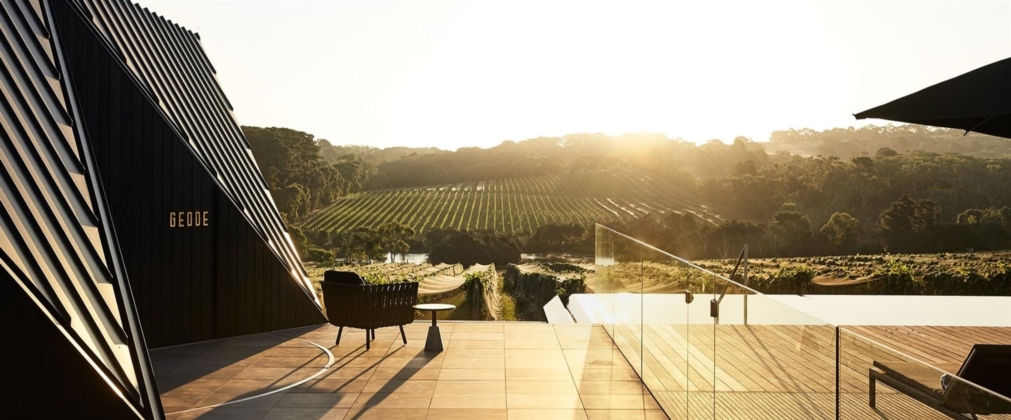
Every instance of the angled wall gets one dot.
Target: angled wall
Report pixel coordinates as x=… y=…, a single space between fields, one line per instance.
x=72 y=346
x=202 y=240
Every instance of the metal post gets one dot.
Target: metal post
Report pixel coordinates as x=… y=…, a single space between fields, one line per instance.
x=745 y=285
x=837 y=362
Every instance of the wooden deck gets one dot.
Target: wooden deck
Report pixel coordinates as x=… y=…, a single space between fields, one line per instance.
x=783 y=371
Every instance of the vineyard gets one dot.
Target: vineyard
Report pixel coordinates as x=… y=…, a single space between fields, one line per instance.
x=510 y=205
x=978 y=273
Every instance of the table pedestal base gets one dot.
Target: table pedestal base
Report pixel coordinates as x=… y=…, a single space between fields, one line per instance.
x=434 y=340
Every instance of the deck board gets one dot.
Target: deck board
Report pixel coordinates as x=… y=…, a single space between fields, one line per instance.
x=788 y=371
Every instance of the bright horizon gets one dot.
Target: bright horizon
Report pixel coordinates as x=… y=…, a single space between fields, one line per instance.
x=460 y=73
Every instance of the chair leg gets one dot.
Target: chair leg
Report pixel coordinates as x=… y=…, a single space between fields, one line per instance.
x=402 y=335
x=871 y=394
x=368 y=345
x=339 y=331
x=373 y=333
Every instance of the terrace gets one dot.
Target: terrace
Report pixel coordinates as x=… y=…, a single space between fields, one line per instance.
x=489 y=370
x=637 y=350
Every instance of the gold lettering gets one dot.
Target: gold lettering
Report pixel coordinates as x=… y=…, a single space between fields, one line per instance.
x=189 y=219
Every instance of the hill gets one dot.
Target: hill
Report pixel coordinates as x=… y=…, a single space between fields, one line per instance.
x=513 y=204
x=866 y=141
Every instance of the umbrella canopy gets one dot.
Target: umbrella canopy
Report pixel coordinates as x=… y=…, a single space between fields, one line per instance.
x=979 y=101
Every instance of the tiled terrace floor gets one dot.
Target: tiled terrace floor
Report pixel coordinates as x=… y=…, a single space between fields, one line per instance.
x=489 y=370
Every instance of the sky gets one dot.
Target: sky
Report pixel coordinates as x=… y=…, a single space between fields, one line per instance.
x=461 y=73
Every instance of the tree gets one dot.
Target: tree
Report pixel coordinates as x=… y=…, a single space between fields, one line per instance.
x=474 y=247
x=556 y=237
x=898 y=219
x=299 y=179
x=796 y=230
x=906 y=220
x=841 y=230
x=394 y=237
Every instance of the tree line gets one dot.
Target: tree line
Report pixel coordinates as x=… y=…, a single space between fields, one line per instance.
x=300 y=179
x=893 y=198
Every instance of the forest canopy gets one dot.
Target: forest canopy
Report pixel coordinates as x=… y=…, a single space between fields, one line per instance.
x=901 y=188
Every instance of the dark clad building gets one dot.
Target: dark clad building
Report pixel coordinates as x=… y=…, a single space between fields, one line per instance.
x=132 y=207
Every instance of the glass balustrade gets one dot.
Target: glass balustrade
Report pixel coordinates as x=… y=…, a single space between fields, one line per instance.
x=707 y=346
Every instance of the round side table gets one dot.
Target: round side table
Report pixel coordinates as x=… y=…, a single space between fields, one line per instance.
x=434 y=340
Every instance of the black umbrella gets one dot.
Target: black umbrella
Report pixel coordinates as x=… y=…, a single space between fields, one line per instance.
x=979 y=101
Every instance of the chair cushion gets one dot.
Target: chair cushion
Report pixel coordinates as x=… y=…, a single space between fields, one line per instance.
x=342 y=277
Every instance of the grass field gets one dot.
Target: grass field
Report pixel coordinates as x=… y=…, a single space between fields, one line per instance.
x=510 y=205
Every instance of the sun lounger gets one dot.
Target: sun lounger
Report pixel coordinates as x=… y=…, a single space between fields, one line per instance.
x=987 y=365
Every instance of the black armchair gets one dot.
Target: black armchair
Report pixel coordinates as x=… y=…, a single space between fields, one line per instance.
x=368 y=306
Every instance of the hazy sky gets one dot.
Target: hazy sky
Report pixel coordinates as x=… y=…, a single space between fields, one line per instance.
x=474 y=73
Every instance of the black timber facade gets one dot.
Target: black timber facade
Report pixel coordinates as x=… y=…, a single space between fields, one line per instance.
x=73 y=345
x=132 y=213
x=203 y=242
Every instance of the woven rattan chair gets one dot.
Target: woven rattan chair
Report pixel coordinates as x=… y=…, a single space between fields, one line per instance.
x=370 y=306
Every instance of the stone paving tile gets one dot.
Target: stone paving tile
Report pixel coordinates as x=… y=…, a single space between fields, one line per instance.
x=412 y=362
x=531 y=374
x=466 y=414
x=469 y=401
x=546 y=414
x=399 y=386
x=407 y=373
x=347 y=385
x=470 y=387
x=337 y=372
x=478 y=363
x=532 y=344
x=380 y=413
x=474 y=344
x=488 y=371
x=305 y=413
x=611 y=387
x=544 y=401
x=222 y=413
x=198 y=372
x=540 y=387
x=625 y=415
x=478 y=327
x=546 y=363
x=472 y=374
x=612 y=402
x=291 y=361
x=317 y=400
x=474 y=353
x=475 y=336
x=291 y=351
x=541 y=336
x=526 y=327
x=555 y=353
x=380 y=400
x=233 y=400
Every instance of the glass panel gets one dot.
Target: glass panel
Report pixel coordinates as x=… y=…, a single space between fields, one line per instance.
x=617 y=305
x=761 y=357
x=939 y=374
x=667 y=310
x=617 y=288
x=771 y=358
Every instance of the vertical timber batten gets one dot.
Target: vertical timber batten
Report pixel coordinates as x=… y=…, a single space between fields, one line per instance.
x=193 y=229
